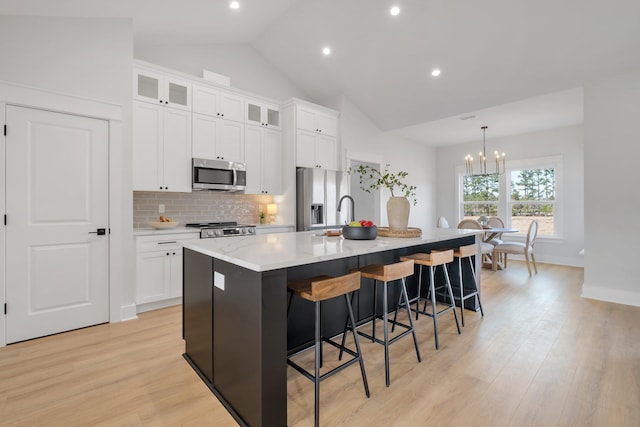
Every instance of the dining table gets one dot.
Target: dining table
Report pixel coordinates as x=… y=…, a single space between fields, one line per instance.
x=491 y=233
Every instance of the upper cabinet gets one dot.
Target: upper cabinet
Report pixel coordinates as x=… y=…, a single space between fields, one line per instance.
x=315 y=120
x=217 y=139
x=313 y=136
x=161 y=148
x=262 y=114
x=162 y=89
x=218 y=103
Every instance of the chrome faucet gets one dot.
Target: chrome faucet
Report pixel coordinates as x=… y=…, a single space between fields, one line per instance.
x=353 y=206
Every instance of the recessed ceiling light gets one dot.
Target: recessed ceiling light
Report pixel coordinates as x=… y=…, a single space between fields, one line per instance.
x=435 y=72
x=326 y=51
x=394 y=10
x=234 y=5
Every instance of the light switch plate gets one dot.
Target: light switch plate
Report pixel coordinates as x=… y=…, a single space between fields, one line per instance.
x=218 y=280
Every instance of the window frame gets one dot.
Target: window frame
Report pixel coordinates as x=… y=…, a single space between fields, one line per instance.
x=504 y=197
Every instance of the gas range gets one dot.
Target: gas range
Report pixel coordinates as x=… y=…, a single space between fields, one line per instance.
x=210 y=230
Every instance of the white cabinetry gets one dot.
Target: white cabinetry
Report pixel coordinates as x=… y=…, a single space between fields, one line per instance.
x=159 y=269
x=218 y=103
x=316 y=151
x=262 y=114
x=162 y=89
x=263 y=157
x=215 y=138
x=313 y=120
x=161 y=148
x=313 y=137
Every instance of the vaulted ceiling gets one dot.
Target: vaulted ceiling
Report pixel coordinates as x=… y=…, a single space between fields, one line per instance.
x=516 y=65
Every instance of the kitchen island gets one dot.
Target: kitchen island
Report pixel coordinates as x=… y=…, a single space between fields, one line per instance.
x=235 y=323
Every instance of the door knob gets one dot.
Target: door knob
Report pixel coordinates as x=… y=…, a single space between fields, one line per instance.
x=99 y=231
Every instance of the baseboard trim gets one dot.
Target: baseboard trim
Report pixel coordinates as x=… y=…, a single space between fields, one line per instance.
x=140 y=308
x=128 y=312
x=611 y=295
x=550 y=259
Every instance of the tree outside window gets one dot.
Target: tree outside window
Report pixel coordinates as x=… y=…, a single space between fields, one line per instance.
x=480 y=196
x=532 y=195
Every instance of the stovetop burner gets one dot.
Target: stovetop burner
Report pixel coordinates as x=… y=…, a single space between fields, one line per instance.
x=222 y=229
x=212 y=224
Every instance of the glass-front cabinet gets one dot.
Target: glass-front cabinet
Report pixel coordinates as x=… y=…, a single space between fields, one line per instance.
x=158 y=88
x=262 y=114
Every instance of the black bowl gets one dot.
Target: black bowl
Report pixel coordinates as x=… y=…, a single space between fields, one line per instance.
x=359 y=233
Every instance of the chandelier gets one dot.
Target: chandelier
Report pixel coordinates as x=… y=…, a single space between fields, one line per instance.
x=482 y=160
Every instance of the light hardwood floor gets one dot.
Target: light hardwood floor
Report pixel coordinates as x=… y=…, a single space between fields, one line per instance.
x=541 y=356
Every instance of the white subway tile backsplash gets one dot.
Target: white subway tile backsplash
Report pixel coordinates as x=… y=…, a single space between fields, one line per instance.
x=199 y=206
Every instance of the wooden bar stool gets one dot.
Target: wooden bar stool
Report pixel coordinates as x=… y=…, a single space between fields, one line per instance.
x=316 y=290
x=467 y=252
x=385 y=274
x=433 y=260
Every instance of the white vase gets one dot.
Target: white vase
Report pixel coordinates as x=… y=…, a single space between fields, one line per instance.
x=398 y=213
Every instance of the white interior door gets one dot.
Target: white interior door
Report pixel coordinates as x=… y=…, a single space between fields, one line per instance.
x=56 y=200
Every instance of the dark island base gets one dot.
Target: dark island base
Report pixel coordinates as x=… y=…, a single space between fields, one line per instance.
x=215 y=392
x=237 y=339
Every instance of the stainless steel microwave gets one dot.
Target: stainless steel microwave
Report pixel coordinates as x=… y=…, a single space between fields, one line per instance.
x=218 y=175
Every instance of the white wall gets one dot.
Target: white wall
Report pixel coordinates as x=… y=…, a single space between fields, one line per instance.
x=360 y=136
x=247 y=69
x=90 y=58
x=567 y=142
x=612 y=159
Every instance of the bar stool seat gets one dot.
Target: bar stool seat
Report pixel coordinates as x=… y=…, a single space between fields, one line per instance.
x=433 y=260
x=316 y=290
x=389 y=273
x=466 y=252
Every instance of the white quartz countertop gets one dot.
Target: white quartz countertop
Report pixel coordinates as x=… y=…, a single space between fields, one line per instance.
x=150 y=231
x=272 y=251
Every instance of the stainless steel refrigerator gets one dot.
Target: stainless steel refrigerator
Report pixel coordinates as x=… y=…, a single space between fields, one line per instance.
x=318 y=192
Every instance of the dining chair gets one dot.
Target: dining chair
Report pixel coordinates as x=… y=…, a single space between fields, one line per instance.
x=486 y=249
x=496 y=222
x=519 y=248
x=443 y=223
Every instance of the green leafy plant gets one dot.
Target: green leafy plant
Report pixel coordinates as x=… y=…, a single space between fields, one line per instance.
x=373 y=179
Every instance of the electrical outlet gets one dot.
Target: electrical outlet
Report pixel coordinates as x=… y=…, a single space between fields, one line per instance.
x=160 y=208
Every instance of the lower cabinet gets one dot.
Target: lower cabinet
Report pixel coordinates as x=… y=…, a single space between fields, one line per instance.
x=159 y=270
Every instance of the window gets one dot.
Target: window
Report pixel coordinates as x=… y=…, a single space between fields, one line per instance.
x=480 y=196
x=533 y=194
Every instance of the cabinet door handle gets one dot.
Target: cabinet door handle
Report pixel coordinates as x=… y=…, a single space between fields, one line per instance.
x=167 y=243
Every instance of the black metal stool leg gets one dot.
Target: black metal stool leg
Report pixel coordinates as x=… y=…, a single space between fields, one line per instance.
x=386 y=335
x=358 y=350
x=375 y=305
x=453 y=303
x=461 y=290
x=413 y=331
x=475 y=285
x=316 y=380
x=346 y=326
x=432 y=291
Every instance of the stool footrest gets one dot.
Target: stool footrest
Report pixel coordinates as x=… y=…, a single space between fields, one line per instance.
x=438 y=313
x=335 y=370
x=392 y=340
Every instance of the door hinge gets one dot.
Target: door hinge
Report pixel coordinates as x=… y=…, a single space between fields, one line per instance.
x=5 y=308
x=5 y=130
x=5 y=219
